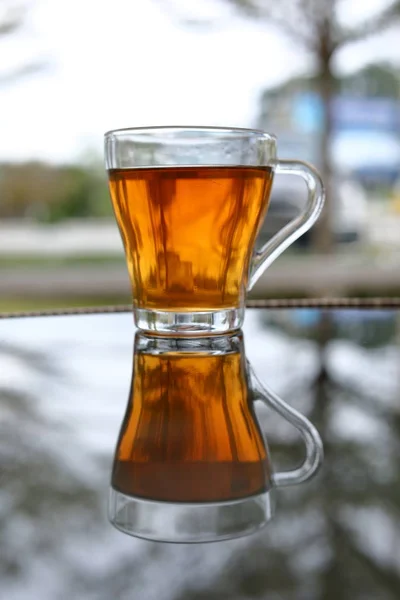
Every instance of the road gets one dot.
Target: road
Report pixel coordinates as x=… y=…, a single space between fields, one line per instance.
x=69 y=238
x=101 y=236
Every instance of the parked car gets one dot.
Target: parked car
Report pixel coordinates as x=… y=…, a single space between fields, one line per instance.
x=288 y=198
x=395 y=196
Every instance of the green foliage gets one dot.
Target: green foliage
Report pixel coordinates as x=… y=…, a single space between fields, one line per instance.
x=379 y=79
x=51 y=193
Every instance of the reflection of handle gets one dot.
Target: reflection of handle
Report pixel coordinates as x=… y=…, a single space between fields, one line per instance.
x=292 y=231
x=312 y=440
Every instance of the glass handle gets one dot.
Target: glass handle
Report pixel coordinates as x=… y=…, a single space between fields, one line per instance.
x=313 y=443
x=266 y=255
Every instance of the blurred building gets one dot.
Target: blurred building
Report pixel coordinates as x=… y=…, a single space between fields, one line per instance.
x=365 y=120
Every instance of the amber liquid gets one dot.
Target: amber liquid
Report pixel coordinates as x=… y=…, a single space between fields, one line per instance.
x=190 y=434
x=189 y=232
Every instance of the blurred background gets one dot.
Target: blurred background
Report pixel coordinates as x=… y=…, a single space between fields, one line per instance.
x=324 y=75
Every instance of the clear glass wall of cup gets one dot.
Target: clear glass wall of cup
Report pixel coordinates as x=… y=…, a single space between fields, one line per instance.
x=189 y=202
x=191 y=464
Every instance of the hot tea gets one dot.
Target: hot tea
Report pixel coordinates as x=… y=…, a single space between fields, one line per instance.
x=189 y=232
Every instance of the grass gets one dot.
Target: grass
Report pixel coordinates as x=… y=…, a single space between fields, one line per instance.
x=33 y=304
x=22 y=261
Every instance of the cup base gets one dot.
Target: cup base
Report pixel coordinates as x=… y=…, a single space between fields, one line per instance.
x=189 y=323
x=189 y=522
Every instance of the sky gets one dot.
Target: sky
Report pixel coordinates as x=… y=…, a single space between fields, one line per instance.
x=125 y=63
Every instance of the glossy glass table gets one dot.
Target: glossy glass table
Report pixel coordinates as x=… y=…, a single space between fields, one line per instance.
x=64 y=383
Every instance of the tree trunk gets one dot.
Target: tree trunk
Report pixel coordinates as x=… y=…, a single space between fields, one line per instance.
x=322 y=233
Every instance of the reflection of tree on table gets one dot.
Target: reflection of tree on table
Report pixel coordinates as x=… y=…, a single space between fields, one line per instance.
x=38 y=481
x=312 y=548
x=53 y=497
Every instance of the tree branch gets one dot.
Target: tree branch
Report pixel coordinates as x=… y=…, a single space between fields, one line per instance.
x=386 y=18
x=23 y=71
x=295 y=18
x=11 y=16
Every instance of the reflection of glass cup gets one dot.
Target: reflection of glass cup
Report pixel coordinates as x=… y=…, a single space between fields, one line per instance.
x=191 y=463
x=189 y=202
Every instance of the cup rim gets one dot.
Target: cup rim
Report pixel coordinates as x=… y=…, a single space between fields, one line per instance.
x=212 y=128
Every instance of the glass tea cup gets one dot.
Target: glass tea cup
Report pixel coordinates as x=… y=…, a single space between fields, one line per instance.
x=189 y=202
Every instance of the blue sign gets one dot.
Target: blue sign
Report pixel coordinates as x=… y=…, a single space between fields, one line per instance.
x=308 y=112
x=348 y=112
x=366 y=113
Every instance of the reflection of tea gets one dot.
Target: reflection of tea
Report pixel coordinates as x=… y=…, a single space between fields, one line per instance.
x=190 y=434
x=189 y=232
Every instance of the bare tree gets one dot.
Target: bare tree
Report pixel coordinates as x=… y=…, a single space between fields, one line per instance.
x=315 y=27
